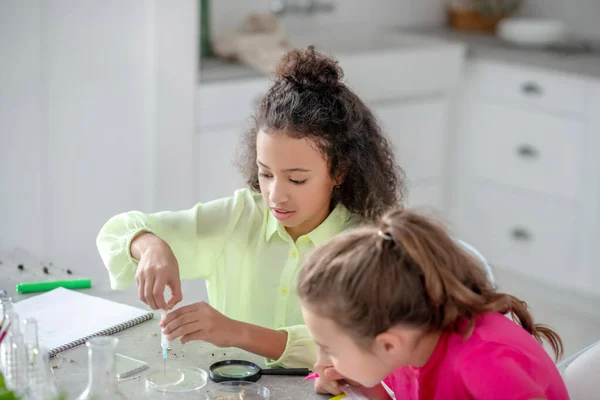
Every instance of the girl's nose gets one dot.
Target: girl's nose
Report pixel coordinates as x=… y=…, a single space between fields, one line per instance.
x=277 y=193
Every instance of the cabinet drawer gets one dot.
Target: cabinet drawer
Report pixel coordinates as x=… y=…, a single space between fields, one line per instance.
x=529 y=150
x=527 y=86
x=229 y=103
x=416 y=129
x=530 y=235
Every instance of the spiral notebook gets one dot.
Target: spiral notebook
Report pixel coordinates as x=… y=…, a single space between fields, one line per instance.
x=67 y=318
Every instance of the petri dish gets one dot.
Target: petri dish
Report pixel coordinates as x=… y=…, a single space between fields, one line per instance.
x=178 y=380
x=238 y=390
x=229 y=371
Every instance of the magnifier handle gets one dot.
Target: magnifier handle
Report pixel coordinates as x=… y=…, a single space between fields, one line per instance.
x=286 y=371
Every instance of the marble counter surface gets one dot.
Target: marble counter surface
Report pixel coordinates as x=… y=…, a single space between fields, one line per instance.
x=141 y=342
x=480 y=47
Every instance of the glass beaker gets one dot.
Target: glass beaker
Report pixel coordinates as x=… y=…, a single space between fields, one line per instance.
x=42 y=385
x=15 y=370
x=40 y=382
x=102 y=376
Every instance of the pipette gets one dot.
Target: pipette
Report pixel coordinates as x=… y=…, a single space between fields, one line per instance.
x=164 y=342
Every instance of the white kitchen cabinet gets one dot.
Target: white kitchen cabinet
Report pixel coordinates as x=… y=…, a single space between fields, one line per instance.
x=588 y=236
x=225 y=110
x=522 y=232
x=229 y=103
x=527 y=149
x=527 y=175
x=527 y=88
x=215 y=153
x=417 y=130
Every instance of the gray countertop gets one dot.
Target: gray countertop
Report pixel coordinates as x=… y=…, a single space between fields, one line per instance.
x=338 y=39
x=140 y=342
x=491 y=48
x=216 y=70
x=480 y=47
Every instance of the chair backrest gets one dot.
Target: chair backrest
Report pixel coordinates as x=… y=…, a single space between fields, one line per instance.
x=580 y=373
x=484 y=264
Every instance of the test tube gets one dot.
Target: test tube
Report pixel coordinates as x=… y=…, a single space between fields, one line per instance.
x=10 y=327
x=6 y=305
x=164 y=342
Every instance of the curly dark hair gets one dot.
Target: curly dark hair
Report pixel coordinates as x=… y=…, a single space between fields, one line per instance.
x=309 y=100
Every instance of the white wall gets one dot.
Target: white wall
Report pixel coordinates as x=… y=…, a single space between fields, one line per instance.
x=96 y=118
x=582 y=16
x=20 y=125
x=228 y=14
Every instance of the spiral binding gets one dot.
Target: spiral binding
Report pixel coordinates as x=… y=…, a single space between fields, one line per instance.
x=105 y=332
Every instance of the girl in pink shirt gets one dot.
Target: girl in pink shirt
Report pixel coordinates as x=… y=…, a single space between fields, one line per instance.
x=405 y=304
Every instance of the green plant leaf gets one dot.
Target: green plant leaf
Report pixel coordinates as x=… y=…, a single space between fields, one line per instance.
x=7 y=395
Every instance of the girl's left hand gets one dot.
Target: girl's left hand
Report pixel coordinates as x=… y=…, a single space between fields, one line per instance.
x=199 y=321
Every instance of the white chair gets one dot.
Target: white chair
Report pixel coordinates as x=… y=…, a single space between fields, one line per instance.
x=488 y=269
x=580 y=373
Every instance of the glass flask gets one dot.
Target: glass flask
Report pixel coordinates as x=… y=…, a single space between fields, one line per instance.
x=102 y=377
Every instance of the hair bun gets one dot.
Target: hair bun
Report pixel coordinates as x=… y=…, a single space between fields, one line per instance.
x=309 y=68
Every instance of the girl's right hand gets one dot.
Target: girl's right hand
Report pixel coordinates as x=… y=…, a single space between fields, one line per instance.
x=333 y=379
x=328 y=380
x=157 y=269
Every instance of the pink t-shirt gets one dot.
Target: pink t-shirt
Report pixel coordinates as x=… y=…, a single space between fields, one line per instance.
x=499 y=361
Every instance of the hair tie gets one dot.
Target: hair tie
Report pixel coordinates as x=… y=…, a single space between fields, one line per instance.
x=385 y=236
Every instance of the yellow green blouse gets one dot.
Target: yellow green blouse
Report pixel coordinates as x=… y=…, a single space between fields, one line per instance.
x=249 y=261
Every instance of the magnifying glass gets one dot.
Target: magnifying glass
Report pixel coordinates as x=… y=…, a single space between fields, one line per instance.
x=240 y=370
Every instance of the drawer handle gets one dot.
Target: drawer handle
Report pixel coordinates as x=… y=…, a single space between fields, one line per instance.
x=521 y=234
x=532 y=88
x=527 y=151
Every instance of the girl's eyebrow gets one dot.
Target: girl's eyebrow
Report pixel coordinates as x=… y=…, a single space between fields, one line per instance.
x=321 y=345
x=286 y=169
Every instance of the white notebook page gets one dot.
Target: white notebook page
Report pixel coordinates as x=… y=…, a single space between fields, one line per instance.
x=64 y=315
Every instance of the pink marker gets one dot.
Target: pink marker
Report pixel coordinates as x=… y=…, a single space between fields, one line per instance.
x=312 y=376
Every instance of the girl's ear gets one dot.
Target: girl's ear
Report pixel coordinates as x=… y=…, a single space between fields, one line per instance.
x=341 y=175
x=388 y=345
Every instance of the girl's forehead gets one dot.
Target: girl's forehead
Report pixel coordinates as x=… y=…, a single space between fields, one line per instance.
x=282 y=149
